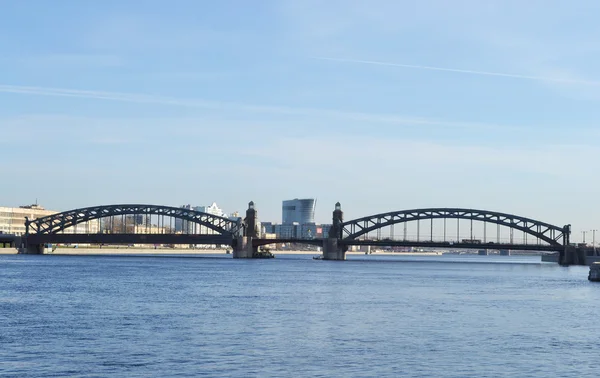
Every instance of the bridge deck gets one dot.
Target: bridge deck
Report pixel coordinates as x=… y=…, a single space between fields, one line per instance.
x=228 y=239
x=451 y=245
x=417 y=244
x=5 y=238
x=128 y=239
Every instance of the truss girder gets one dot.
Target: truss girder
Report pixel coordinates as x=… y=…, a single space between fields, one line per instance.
x=55 y=223
x=549 y=233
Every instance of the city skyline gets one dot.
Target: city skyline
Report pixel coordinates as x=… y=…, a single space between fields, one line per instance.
x=382 y=106
x=212 y=208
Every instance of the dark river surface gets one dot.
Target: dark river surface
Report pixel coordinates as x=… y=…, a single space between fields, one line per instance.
x=370 y=316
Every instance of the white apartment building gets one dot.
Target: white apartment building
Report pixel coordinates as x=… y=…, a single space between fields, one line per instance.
x=213 y=209
x=182 y=226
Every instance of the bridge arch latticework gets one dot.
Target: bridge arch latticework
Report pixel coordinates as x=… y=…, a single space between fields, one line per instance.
x=551 y=234
x=56 y=223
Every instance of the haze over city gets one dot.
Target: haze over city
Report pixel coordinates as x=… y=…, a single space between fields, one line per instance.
x=381 y=105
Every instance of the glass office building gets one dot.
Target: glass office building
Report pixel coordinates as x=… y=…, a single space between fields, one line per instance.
x=300 y=211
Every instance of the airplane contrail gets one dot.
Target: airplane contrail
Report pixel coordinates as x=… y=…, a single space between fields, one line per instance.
x=101 y=95
x=456 y=70
x=216 y=105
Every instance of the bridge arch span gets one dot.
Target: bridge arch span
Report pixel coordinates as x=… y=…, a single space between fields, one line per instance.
x=56 y=223
x=551 y=234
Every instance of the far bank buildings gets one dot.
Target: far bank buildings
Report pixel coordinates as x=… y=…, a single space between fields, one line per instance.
x=298 y=220
x=297 y=215
x=12 y=220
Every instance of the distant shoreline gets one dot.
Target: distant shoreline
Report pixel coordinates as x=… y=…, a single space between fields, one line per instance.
x=191 y=252
x=185 y=251
x=132 y=251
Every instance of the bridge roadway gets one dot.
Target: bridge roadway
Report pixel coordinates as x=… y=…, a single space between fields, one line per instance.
x=129 y=239
x=417 y=244
x=257 y=242
x=451 y=245
x=227 y=240
x=7 y=240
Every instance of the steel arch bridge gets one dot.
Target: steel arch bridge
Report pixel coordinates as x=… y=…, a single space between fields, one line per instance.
x=555 y=236
x=55 y=223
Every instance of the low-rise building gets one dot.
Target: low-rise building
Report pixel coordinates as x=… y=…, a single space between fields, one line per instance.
x=297 y=231
x=12 y=219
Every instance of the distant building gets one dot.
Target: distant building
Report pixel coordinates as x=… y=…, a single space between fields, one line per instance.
x=235 y=217
x=186 y=227
x=300 y=211
x=141 y=219
x=212 y=210
x=181 y=226
x=323 y=230
x=12 y=220
x=295 y=230
x=267 y=228
x=286 y=231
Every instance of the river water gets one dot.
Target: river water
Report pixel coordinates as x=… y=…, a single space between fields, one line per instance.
x=443 y=316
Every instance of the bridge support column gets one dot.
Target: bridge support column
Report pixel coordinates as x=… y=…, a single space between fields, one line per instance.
x=505 y=252
x=332 y=247
x=243 y=248
x=333 y=250
x=572 y=256
x=32 y=249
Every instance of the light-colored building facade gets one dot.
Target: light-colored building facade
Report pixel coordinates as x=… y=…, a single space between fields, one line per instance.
x=213 y=209
x=12 y=220
x=185 y=227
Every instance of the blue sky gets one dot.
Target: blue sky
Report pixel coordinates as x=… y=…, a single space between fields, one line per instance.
x=381 y=105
